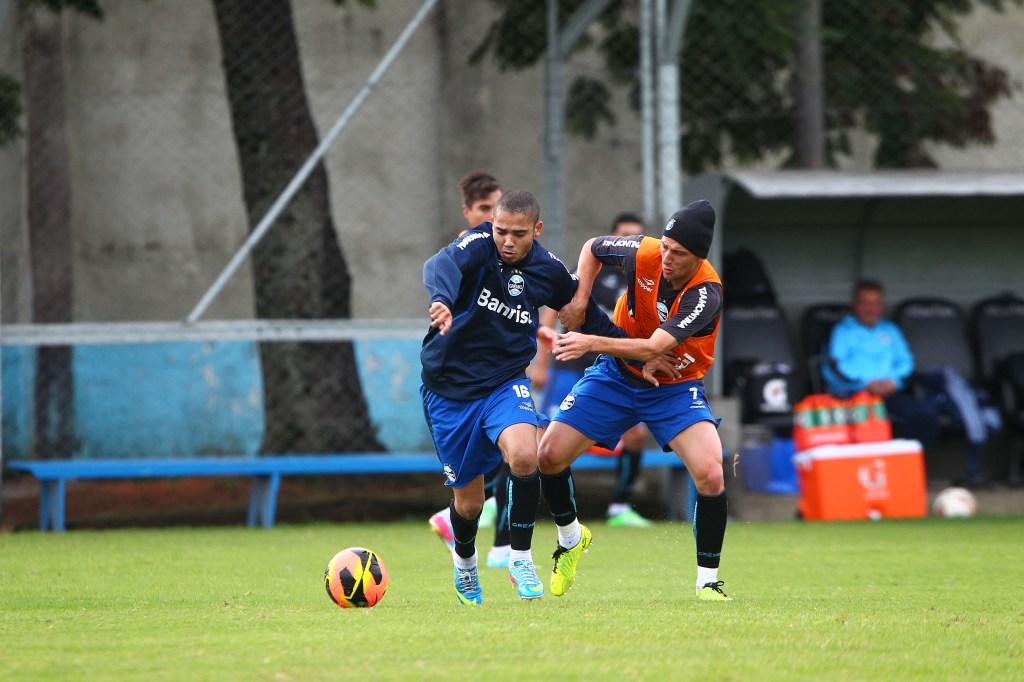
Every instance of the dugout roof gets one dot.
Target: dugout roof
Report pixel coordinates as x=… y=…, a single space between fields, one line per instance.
x=917 y=230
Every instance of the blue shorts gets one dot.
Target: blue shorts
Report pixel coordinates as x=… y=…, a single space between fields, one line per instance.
x=560 y=382
x=465 y=432
x=602 y=406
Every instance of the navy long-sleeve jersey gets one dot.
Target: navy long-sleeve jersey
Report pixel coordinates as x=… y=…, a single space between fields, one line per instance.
x=494 y=308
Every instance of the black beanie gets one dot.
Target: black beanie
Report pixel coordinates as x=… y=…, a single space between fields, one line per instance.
x=693 y=226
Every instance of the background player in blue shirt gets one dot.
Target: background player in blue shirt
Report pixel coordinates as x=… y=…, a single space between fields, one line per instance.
x=485 y=290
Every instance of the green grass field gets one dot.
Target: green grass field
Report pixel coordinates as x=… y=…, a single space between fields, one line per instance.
x=892 y=600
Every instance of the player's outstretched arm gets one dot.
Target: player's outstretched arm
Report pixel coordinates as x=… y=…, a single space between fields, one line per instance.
x=573 y=313
x=573 y=344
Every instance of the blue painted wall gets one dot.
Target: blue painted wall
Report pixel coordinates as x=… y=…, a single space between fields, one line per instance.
x=19 y=376
x=195 y=399
x=390 y=372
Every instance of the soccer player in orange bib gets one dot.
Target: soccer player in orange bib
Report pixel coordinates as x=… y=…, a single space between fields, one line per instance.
x=671 y=304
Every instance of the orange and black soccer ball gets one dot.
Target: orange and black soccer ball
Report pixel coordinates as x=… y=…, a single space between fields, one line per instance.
x=356 y=578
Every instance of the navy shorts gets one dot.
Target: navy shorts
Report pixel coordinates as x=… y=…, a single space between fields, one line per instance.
x=465 y=432
x=602 y=406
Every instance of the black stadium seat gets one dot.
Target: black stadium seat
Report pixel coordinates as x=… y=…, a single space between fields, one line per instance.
x=936 y=332
x=758 y=363
x=997 y=325
x=815 y=330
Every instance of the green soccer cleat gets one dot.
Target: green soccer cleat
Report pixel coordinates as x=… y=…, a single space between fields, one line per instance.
x=489 y=514
x=628 y=519
x=564 y=572
x=713 y=592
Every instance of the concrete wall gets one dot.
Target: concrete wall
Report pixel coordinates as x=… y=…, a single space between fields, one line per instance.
x=384 y=168
x=156 y=197
x=995 y=36
x=495 y=120
x=156 y=191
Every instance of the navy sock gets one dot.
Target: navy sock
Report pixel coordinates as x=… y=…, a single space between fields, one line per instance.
x=559 y=492
x=501 y=534
x=628 y=467
x=709 y=519
x=465 y=533
x=523 y=495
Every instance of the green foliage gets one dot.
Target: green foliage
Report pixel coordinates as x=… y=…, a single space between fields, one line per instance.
x=894 y=68
x=588 y=96
x=892 y=600
x=10 y=109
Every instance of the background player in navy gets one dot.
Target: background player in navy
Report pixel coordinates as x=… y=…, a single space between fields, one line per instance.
x=485 y=290
x=480 y=193
x=556 y=378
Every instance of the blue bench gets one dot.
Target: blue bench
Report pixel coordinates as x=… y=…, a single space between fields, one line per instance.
x=265 y=474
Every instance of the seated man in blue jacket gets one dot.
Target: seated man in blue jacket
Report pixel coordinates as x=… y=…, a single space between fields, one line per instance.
x=870 y=353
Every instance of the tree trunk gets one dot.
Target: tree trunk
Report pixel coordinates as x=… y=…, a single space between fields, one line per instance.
x=49 y=218
x=312 y=393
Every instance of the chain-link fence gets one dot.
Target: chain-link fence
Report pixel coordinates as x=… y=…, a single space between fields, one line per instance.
x=136 y=158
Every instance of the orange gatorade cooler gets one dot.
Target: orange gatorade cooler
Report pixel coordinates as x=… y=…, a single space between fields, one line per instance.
x=862 y=481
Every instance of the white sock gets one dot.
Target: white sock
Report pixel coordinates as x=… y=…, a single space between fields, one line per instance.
x=616 y=508
x=706 y=575
x=464 y=563
x=515 y=555
x=569 y=535
x=500 y=549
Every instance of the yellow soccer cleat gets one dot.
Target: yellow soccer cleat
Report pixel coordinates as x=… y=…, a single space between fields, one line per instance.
x=713 y=592
x=564 y=572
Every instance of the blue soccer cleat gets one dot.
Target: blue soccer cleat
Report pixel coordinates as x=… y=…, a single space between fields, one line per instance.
x=523 y=575
x=467 y=586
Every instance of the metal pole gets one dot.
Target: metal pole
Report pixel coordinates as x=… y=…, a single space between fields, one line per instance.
x=810 y=89
x=578 y=23
x=310 y=164
x=647 y=111
x=669 y=151
x=668 y=134
x=553 y=209
x=560 y=44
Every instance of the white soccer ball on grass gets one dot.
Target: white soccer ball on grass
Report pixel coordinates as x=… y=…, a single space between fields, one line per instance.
x=955 y=503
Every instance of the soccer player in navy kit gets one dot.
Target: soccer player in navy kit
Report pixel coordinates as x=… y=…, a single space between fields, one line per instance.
x=480 y=193
x=485 y=289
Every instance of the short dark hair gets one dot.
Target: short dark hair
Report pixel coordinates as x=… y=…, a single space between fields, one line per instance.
x=867 y=285
x=521 y=202
x=477 y=185
x=626 y=217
